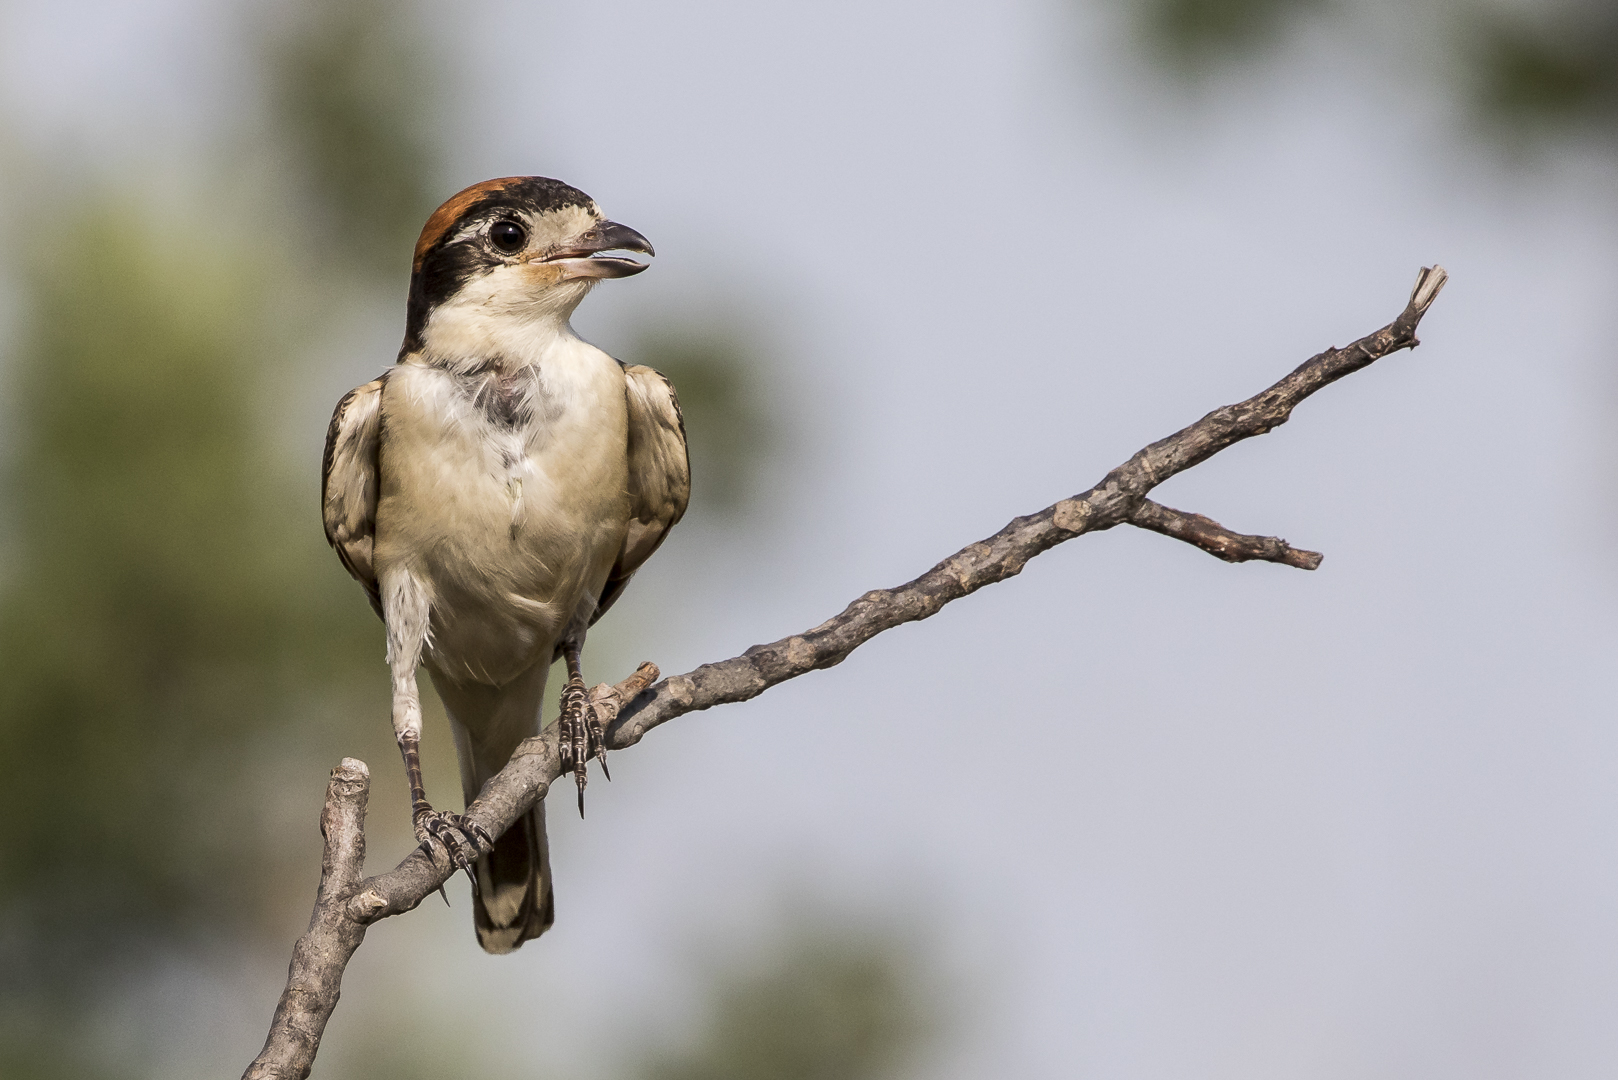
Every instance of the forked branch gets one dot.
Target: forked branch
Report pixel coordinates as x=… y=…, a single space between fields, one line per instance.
x=346 y=904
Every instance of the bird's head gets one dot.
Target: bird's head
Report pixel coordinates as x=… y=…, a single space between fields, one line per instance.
x=508 y=254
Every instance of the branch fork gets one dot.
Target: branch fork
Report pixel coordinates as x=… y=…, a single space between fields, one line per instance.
x=347 y=904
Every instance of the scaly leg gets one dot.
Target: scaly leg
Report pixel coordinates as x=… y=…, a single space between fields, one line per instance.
x=580 y=732
x=405 y=611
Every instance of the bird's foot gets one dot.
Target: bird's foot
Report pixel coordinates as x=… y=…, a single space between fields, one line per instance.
x=462 y=840
x=580 y=734
x=582 y=727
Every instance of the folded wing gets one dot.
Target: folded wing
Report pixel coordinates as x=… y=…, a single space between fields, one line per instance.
x=348 y=483
x=659 y=474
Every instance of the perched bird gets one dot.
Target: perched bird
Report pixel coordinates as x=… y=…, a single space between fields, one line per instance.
x=494 y=492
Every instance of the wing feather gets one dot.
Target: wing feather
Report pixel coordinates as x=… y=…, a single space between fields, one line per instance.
x=348 y=482
x=659 y=474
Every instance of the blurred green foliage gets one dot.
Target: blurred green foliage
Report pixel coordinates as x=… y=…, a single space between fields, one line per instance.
x=1196 y=32
x=828 y=1001
x=355 y=96
x=46 y=1052
x=156 y=617
x=715 y=374
x=1532 y=69
x=1555 y=65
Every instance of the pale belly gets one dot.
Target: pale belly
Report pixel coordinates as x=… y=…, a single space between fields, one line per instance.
x=510 y=517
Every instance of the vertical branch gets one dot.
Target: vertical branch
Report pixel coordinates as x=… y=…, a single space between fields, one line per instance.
x=321 y=954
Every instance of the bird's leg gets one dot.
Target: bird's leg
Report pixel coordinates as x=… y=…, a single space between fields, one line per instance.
x=579 y=730
x=405 y=611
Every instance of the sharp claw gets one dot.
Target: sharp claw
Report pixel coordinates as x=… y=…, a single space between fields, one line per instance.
x=459 y=839
x=598 y=741
x=444 y=894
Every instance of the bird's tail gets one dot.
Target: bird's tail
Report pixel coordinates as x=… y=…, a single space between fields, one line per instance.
x=513 y=901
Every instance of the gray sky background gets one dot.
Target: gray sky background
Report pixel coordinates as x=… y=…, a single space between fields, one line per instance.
x=1161 y=816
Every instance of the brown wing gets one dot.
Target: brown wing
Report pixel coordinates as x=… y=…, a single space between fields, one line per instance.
x=348 y=482
x=659 y=474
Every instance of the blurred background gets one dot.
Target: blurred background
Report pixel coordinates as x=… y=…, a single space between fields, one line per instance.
x=922 y=267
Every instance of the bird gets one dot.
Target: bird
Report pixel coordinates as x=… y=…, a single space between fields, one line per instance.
x=494 y=491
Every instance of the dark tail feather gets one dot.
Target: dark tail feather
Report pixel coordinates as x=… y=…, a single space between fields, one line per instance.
x=514 y=901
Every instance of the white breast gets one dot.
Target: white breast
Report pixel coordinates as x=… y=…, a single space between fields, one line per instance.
x=505 y=491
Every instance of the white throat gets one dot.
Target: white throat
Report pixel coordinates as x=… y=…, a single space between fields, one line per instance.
x=484 y=325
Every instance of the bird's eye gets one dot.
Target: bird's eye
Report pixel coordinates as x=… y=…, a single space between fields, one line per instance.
x=508 y=236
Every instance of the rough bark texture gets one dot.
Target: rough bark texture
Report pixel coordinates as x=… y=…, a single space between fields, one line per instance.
x=346 y=904
x=1219 y=541
x=321 y=954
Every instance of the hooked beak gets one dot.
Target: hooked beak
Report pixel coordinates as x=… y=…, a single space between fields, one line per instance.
x=583 y=259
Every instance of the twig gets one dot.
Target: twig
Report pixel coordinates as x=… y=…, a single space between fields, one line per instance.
x=346 y=905
x=1218 y=541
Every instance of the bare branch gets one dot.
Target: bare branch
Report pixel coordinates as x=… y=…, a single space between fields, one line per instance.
x=333 y=935
x=1111 y=502
x=345 y=906
x=1218 y=541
